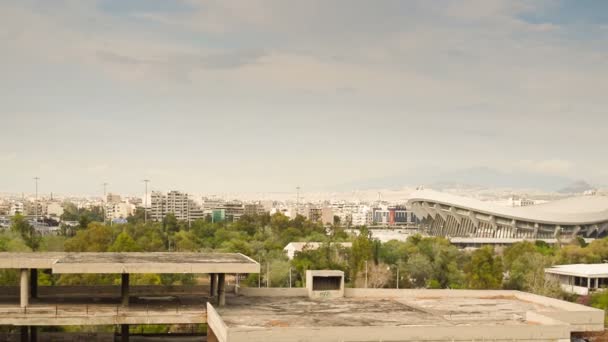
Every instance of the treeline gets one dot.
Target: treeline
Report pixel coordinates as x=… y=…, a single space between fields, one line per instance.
x=419 y=262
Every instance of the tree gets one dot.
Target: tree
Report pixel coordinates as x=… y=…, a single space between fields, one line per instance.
x=21 y=226
x=124 y=243
x=361 y=252
x=485 y=269
x=96 y=238
x=419 y=269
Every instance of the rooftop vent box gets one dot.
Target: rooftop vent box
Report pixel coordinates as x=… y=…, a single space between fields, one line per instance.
x=325 y=284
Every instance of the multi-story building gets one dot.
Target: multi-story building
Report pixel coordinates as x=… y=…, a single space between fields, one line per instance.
x=113 y=198
x=120 y=210
x=176 y=203
x=252 y=209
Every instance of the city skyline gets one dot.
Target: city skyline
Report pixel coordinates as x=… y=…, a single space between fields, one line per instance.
x=226 y=96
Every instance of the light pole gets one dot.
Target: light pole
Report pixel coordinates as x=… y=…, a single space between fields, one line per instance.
x=397 y=277
x=146 y=181
x=36 y=203
x=290 y=277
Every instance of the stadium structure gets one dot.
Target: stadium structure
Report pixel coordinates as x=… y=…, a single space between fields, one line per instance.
x=452 y=216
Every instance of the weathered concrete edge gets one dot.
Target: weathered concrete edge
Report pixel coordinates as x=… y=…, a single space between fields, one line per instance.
x=216 y=324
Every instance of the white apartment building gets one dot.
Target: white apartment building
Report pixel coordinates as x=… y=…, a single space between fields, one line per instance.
x=120 y=210
x=176 y=203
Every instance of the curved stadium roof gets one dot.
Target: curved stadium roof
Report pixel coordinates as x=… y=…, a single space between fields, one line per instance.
x=583 y=210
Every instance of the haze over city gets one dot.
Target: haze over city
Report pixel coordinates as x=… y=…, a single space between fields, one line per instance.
x=264 y=96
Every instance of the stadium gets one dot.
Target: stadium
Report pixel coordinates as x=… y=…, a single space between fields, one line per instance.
x=452 y=216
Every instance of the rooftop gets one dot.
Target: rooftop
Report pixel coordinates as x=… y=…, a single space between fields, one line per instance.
x=582 y=270
x=399 y=315
x=574 y=210
x=246 y=312
x=162 y=262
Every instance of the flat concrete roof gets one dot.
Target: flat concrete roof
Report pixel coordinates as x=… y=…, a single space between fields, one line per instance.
x=153 y=262
x=247 y=312
x=399 y=315
x=580 y=270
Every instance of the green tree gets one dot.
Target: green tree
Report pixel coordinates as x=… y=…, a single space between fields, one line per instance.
x=124 y=243
x=21 y=226
x=485 y=269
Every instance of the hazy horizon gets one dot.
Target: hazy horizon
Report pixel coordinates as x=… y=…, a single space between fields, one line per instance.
x=264 y=96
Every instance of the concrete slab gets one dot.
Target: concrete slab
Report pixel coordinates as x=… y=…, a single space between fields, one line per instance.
x=401 y=315
x=103 y=263
x=41 y=260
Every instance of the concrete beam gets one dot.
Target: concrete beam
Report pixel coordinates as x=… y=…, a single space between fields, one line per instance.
x=577 y=229
x=456 y=215
x=602 y=229
x=492 y=222
x=474 y=219
x=124 y=289
x=557 y=230
x=25 y=289
x=592 y=229
x=439 y=211
x=221 y=290
x=34 y=283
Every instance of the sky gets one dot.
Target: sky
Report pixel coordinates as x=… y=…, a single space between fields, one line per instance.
x=267 y=95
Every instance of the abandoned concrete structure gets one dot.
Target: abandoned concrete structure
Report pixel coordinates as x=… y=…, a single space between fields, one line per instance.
x=97 y=305
x=323 y=311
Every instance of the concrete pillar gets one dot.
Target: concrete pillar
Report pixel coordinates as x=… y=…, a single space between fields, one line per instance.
x=211 y=284
x=33 y=334
x=25 y=289
x=215 y=280
x=124 y=289
x=221 y=291
x=34 y=283
x=124 y=333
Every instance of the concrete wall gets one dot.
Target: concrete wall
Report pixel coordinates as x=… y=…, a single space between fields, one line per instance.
x=112 y=290
x=536 y=333
x=215 y=323
x=273 y=292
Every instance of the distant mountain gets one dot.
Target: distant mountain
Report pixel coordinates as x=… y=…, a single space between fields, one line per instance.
x=478 y=177
x=576 y=188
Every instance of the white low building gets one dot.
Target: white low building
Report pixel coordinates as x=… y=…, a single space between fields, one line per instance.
x=580 y=279
x=293 y=248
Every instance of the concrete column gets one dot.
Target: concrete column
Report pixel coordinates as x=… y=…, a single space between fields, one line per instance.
x=24 y=333
x=25 y=289
x=124 y=289
x=34 y=283
x=221 y=291
x=124 y=333
x=215 y=280
x=211 y=284
x=33 y=334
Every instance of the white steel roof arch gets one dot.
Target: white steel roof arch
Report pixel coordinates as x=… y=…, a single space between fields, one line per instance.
x=583 y=210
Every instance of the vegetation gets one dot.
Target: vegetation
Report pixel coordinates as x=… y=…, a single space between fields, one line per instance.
x=421 y=262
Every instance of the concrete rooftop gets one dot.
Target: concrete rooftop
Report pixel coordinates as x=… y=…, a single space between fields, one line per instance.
x=246 y=312
x=157 y=262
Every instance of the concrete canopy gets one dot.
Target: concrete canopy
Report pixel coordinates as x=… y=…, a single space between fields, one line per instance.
x=113 y=263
